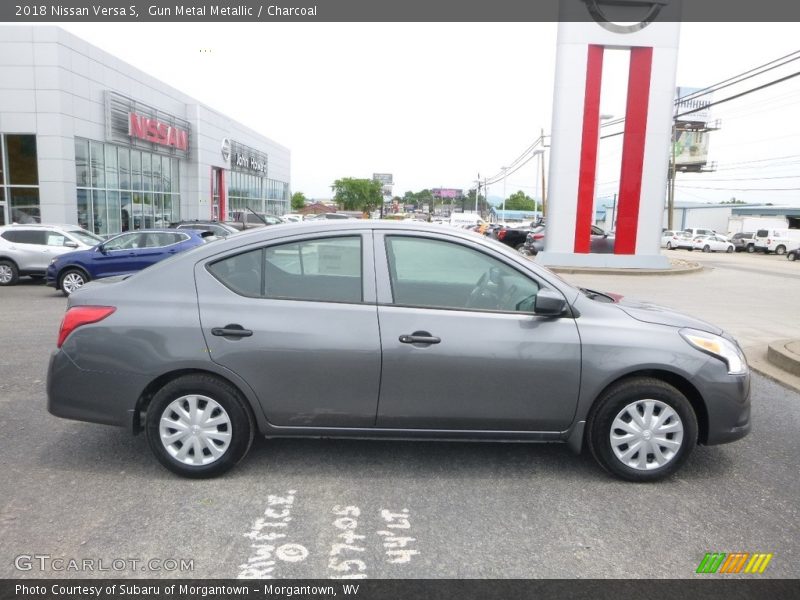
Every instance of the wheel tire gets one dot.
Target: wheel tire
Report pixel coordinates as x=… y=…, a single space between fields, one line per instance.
x=706 y=248
x=729 y=250
x=71 y=280
x=237 y=423
x=618 y=402
x=780 y=250
x=791 y=256
x=9 y=274
x=750 y=248
x=669 y=245
x=519 y=247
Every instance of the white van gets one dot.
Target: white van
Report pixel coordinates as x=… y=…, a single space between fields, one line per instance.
x=465 y=219
x=779 y=241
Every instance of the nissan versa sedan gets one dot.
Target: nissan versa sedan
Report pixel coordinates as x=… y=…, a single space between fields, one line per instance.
x=365 y=329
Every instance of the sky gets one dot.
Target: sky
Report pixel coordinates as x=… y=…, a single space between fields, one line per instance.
x=436 y=104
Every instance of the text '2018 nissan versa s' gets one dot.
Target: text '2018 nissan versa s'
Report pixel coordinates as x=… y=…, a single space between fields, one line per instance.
x=368 y=329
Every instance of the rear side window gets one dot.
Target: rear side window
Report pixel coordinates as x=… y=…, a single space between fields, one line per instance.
x=326 y=270
x=762 y=233
x=26 y=236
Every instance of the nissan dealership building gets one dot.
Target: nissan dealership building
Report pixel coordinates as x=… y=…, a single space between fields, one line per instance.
x=86 y=138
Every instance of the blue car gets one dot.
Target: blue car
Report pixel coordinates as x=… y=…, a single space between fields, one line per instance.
x=126 y=253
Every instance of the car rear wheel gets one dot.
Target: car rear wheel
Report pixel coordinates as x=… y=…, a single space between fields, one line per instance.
x=729 y=250
x=751 y=248
x=642 y=429
x=780 y=250
x=706 y=248
x=199 y=426
x=669 y=245
x=9 y=275
x=71 y=280
x=792 y=256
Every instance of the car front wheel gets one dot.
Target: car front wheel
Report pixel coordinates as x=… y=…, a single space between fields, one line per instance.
x=71 y=280
x=642 y=429
x=198 y=426
x=791 y=256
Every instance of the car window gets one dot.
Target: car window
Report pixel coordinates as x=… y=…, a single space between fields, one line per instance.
x=439 y=274
x=26 y=236
x=322 y=269
x=126 y=241
x=54 y=238
x=84 y=237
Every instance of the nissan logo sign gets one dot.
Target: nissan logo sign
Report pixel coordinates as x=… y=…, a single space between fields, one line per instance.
x=653 y=7
x=226 y=149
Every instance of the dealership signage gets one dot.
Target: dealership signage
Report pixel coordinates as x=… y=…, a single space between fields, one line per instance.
x=248 y=160
x=145 y=127
x=153 y=130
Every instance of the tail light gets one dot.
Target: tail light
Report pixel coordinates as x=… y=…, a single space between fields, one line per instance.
x=81 y=315
x=501 y=234
x=538 y=236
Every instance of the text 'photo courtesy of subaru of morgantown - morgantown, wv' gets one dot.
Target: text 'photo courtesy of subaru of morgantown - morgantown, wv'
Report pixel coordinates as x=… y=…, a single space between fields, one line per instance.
x=419 y=324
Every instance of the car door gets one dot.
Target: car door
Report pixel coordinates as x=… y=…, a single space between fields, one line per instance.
x=156 y=246
x=29 y=248
x=461 y=349
x=116 y=256
x=296 y=319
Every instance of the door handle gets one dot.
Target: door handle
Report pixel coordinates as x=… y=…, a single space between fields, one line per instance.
x=231 y=330
x=419 y=337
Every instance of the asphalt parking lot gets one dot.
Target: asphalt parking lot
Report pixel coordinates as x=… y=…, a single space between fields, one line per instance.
x=323 y=508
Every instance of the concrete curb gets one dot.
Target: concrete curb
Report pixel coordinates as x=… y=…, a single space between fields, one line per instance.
x=760 y=362
x=784 y=354
x=679 y=267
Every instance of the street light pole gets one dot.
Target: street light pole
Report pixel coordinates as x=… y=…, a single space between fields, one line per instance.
x=504 y=194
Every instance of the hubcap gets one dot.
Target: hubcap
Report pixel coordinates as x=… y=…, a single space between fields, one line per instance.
x=646 y=434
x=5 y=274
x=71 y=282
x=195 y=430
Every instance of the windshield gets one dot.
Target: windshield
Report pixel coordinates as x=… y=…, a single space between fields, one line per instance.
x=85 y=237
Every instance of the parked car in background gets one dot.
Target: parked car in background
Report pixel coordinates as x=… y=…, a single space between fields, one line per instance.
x=331 y=216
x=782 y=241
x=601 y=242
x=697 y=231
x=26 y=250
x=515 y=237
x=126 y=253
x=682 y=240
x=242 y=220
x=218 y=229
x=671 y=239
x=292 y=218
x=711 y=243
x=414 y=321
x=744 y=241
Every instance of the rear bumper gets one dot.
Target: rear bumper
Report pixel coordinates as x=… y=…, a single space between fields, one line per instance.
x=74 y=393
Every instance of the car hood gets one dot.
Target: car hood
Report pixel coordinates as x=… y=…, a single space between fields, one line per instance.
x=659 y=315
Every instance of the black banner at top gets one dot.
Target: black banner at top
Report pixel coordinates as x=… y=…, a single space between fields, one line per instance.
x=197 y=11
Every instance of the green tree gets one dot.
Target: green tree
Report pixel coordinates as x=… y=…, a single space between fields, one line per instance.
x=468 y=203
x=520 y=201
x=357 y=194
x=298 y=200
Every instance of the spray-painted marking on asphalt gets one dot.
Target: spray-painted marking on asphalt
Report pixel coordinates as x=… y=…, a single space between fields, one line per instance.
x=396 y=541
x=341 y=562
x=266 y=533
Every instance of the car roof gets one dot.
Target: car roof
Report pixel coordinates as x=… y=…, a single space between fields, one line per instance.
x=66 y=226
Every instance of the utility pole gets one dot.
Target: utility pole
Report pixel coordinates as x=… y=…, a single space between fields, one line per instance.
x=544 y=199
x=477 y=191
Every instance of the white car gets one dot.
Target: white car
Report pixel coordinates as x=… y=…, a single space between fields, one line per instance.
x=712 y=243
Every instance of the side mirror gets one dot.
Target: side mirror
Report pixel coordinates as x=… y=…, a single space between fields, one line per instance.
x=549 y=303
x=70 y=245
x=102 y=248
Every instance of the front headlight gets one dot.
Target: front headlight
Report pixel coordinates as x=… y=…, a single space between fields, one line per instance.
x=53 y=261
x=718 y=347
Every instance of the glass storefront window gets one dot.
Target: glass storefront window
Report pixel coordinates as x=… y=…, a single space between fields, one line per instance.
x=82 y=162
x=124 y=168
x=23 y=205
x=97 y=165
x=147 y=172
x=112 y=177
x=23 y=168
x=120 y=189
x=136 y=170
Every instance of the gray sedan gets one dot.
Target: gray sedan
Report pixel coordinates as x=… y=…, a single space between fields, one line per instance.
x=368 y=329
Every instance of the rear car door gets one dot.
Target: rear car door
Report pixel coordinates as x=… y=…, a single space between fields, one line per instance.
x=296 y=319
x=29 y=248
x=461 y=349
